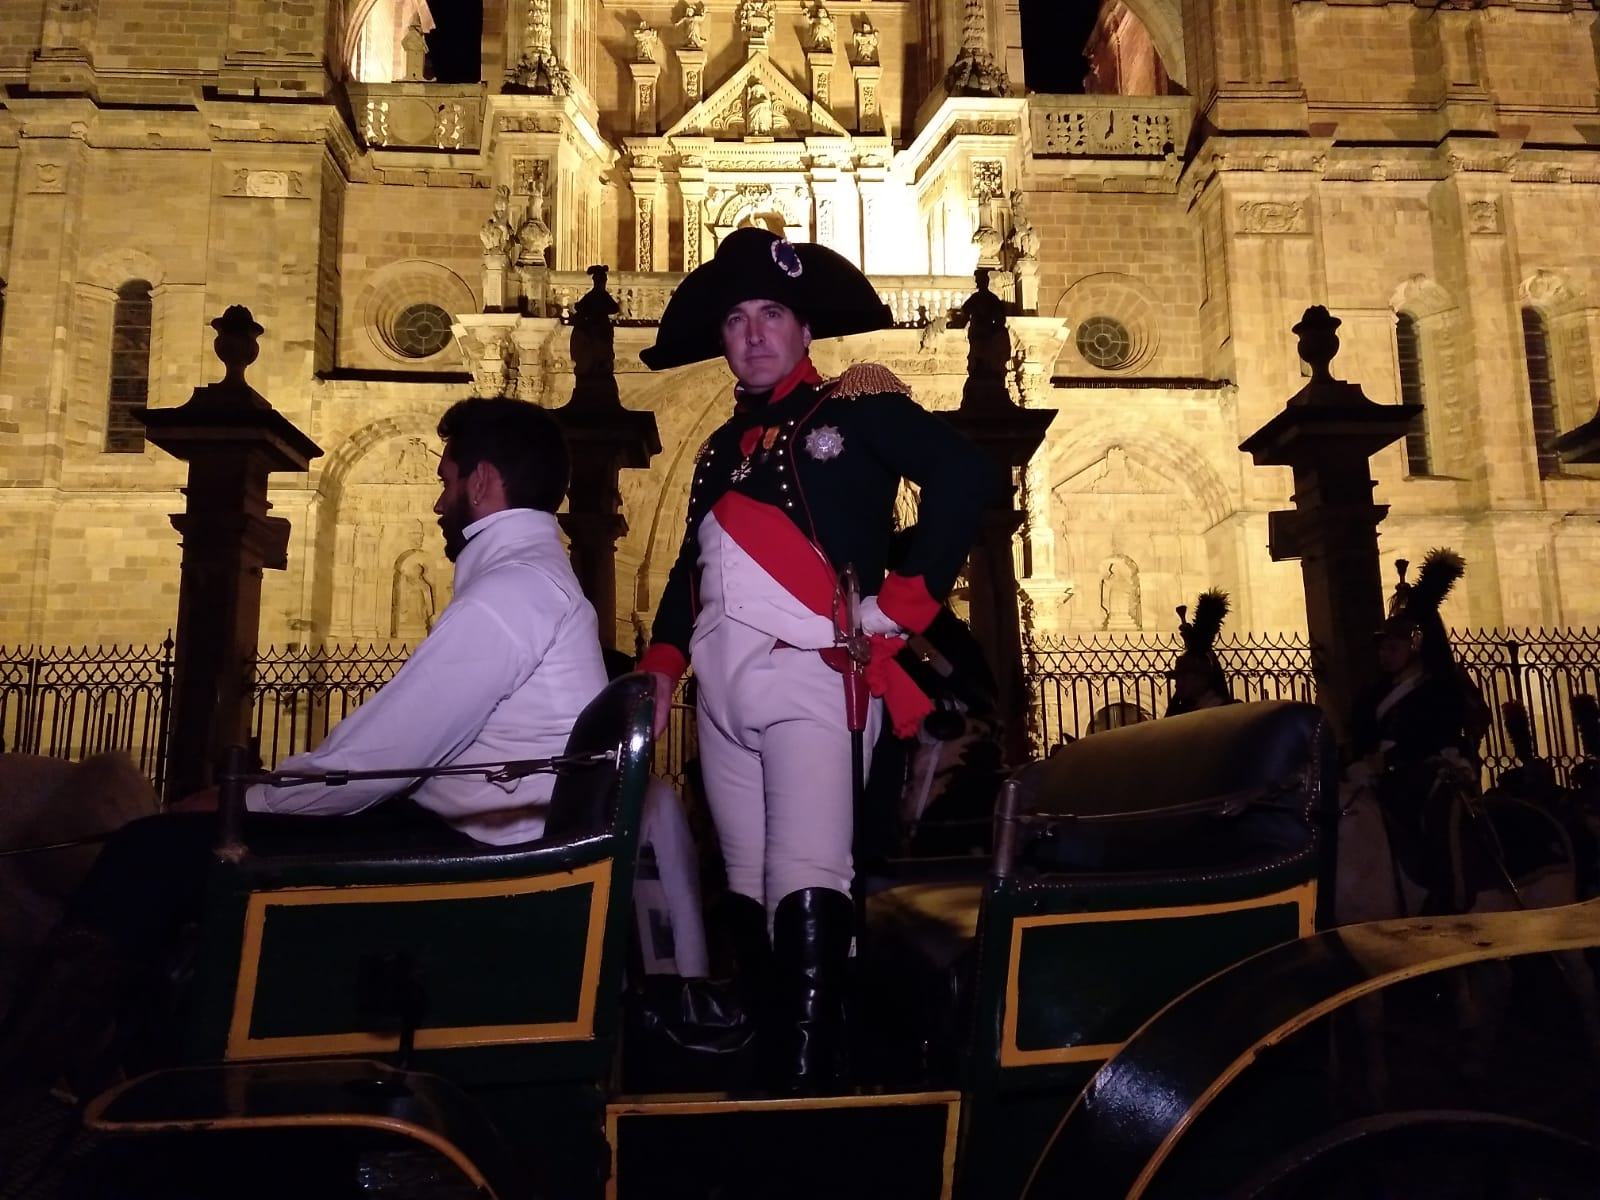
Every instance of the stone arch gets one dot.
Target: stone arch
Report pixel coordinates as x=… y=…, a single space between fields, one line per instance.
x=1163 y=21
x=370 y=51
x=115 y=267
x=1421 y=297
x=1146 y=499
x=338 y=465
x=1550 y=292
x=374 y=515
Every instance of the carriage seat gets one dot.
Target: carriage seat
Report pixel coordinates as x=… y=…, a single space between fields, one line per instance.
x=1216 y=808
x=579 y=822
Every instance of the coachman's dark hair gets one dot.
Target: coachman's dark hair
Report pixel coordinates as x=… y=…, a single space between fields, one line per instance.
x=520 y=440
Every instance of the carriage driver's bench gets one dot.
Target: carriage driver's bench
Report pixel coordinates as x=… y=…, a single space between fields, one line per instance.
x=1128 y=867
x=495 y=968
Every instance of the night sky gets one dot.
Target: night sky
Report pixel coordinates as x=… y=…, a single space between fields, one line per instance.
x=1053 y=33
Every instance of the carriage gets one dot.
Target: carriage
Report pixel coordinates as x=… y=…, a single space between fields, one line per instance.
x=1131 y=996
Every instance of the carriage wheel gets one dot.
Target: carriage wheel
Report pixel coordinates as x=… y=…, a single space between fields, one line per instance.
x=1444 y=1155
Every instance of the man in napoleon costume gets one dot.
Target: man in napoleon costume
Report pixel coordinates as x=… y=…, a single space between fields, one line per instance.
x=1198 y=680
x=798 y=484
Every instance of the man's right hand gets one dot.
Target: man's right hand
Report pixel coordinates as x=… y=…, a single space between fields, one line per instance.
x=665 y=686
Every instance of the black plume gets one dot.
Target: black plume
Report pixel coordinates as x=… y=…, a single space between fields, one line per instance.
x=1518 y=729
x=1440 y=570
x=1586 y=716
x=1210 y=610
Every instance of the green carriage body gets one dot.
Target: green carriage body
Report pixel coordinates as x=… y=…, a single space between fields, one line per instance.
x=998 y=990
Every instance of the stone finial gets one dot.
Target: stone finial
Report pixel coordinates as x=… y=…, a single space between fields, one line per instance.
x=1318 y=332
x=236 y=343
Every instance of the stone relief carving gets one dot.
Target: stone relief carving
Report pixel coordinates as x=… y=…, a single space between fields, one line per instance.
x=1272 y=216
x=1483 y=216
x=414 y=605
x=987 y=179
x=1120 y=594
x=757 y=110
x=756 y=17
x=533 y=235
x=1094 y=132
x=495 y=232
x=646 y=241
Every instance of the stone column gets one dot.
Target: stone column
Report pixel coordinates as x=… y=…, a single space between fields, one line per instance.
x=693 y=64
x=645 y=77
x=232 y=439
x=1010 y=436
x=1327 y=433
x=869 y=115
x=603 y=438
x=692 y=186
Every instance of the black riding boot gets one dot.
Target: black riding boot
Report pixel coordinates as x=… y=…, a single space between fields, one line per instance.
x=811 y=934
x=745 y=920
x=63 y=1022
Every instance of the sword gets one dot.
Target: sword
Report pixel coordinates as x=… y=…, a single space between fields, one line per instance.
x=849 y=636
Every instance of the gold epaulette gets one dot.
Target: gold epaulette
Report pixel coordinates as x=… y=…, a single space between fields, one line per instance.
x=867 y=379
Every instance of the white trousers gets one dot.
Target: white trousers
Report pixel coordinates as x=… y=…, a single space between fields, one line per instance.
x=775 y=755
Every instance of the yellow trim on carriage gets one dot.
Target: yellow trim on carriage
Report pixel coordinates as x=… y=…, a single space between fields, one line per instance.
x=241 y=1046
x=1302 y=895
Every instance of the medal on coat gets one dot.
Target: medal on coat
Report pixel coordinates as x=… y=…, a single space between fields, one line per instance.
x=824 y=442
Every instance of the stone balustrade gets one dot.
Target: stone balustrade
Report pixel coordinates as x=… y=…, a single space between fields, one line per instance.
x=642 y=296
x=1138 y=127
x=418 y=116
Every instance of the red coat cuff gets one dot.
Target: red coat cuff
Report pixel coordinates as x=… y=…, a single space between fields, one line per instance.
x=664 y=658
x=905 y=601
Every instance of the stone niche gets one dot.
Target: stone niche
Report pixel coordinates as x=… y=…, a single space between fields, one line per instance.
x=390 y=577
x=1129 y=544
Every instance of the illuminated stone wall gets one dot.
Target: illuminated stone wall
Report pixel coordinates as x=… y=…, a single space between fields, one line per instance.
x=1431 y=162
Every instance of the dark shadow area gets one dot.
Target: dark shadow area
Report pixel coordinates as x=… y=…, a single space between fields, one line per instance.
x=454 y=52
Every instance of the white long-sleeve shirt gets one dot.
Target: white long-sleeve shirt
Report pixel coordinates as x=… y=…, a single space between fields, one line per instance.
x=510 y=663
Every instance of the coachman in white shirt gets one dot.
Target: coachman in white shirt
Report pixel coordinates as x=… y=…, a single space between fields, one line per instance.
x=509 y=664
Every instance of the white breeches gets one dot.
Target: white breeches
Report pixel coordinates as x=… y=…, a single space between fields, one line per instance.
x=775 y=754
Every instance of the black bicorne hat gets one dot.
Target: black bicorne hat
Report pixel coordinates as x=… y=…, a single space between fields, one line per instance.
x=823 y=288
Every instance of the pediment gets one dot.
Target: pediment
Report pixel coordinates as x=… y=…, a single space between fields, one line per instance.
x=723 y=114
x=1116 y=474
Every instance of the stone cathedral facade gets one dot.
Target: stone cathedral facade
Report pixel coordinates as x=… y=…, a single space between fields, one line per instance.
x=1430 y=171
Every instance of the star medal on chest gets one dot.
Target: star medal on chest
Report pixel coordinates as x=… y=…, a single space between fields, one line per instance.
x=824 y=442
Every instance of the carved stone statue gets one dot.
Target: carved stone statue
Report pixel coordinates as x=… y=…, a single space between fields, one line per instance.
x=1119 y=595
x=415 y=605
x=533 y=235
x=694 y=27
x=866 y=40
x=757 y=110
x=1024 y=238
x=822 y=29
x=983 y=316
x=593 y=341
x=495 y=233
x=415 y=48
x=646 y=42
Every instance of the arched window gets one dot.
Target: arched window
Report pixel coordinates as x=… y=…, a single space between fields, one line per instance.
x=1408 y=345
x=130 y=368
x=1541 y=389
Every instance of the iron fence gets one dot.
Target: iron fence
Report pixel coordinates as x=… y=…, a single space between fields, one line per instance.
x=71 y=702
x=1082 y=684
x=76 y=701
x=1544 y=669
